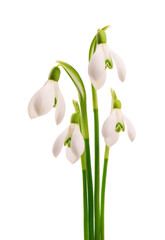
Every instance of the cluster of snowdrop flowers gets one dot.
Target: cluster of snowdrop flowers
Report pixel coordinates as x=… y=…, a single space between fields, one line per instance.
x=50 y=96
x=47 y=97
x=75 y=138
x=116 y=122
x=102 y=58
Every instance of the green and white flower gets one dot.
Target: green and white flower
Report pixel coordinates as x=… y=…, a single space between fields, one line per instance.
x=102 y=58
x=72 y=139
x=47 y=97
x=116 y=122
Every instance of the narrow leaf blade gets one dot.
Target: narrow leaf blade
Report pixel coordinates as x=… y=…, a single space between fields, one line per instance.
x=75 y=77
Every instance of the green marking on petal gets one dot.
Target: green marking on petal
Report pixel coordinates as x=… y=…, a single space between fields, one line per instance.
x=119 y=127
x=67 y=141
x=55 y=102
x=108 y=64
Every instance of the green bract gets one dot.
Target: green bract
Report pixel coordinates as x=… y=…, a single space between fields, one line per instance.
x=76 y=106
x=113 y=94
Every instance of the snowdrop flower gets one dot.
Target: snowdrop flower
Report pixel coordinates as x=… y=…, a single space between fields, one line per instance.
x=101 y=59
x=115 y=123
x=72 y=139
x=47 y=97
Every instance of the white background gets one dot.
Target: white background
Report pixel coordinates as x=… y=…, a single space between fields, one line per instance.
x=40 y=196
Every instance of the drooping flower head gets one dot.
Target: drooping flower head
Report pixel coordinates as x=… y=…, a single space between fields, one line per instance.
x=115 y=123
x=47 y=97
x=103 y=58
x=72 y=139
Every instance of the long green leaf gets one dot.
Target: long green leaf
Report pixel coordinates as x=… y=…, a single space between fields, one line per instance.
x=75 y=77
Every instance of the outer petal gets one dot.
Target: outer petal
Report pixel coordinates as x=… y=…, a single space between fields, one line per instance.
x=31 y=110
x=77 y=142
x=109 y=124
x=99 y=82
x=120 y=66
x=130 y=129
x=42 y=101
x=58 y=144
x=112 y=139
x=96 y=67
x=71 y=156
x=60 y=108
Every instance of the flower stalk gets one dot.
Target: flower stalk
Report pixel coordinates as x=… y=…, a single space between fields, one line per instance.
x=84 y=177
x=106 y=156
x=97 y=163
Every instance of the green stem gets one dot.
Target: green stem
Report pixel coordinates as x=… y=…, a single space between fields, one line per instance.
x=85 y=205
x=88 y=168
x=103 y=191
x=97 y=165
x=83 y=167
x=90 y=189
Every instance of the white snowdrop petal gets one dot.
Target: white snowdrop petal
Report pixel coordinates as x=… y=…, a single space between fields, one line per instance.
x=98 y=83
x=60 y=108
x=109 y=124
x=96 y=65
x=119 y=65
x=112 y=139
x=31 y=109
x=130 y=129
x=42 y=101
x=77 y=142
x=59 y=143
x=71 y=156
